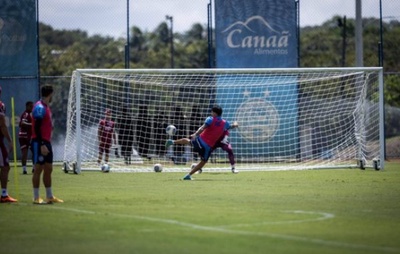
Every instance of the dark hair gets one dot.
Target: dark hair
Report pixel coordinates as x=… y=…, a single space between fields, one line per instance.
x=47 y=90
x=28 y=103
x=217 y=110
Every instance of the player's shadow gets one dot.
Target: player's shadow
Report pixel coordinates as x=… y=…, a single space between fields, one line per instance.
x=209 y=177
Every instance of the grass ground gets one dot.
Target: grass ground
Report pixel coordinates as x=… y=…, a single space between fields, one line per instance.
x=310 y=211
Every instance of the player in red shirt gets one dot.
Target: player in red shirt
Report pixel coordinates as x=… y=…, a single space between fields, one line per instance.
x=42 y=128
x=4 y=163
x=106 y=135
x=225 y=145
x=205 y=138
x=25 y=133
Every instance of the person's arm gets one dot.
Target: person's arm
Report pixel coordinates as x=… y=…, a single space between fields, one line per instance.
x=207 y=123
x=4 y=131
x=25 y=122
x=38 y=113
x=199 y=131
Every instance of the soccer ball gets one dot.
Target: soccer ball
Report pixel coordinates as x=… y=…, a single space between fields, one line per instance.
x=170 y=130
x=158 y=168
x=105 y=168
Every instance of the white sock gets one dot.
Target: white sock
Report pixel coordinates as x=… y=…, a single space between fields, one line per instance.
x=24 y=168
x=49 y=193
x=4 y=192
x=35 y=193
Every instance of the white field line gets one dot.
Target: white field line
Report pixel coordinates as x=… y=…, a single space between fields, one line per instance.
x=242 y=232
x=322 y=216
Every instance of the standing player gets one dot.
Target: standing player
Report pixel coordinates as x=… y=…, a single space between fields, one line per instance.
x=25 y=133
x=42 y=128
x=4 y=163
x=205 y=138
x=106 y=135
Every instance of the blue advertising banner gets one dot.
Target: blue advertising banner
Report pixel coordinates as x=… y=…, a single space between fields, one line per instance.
x=18 y=47
x=18 y=56
x=255 y=34
x=266 y=109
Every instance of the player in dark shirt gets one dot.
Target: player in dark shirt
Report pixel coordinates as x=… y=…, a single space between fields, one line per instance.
x=25 y=133
x=106 y=135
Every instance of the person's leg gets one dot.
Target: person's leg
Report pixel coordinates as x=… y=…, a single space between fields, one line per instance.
x=47 y=171
x=100 y=155
x=36 y=176
x=47 y=182
x=182 y=141
x=204 y=152
x=24 y=154
x=107 y=153
x=198 y=167
x=228 y=148
x=4 y=176
x=36 y=183
x=5 y=198
x=4 y=168
x=36 y=173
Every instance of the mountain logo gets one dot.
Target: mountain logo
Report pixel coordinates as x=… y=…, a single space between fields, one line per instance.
x=256 y=33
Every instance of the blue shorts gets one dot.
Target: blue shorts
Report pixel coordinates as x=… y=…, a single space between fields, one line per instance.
x=201 y=148
x=38 y=158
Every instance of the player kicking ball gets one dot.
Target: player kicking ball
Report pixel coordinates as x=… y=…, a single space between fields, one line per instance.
x=225 y=145
x=204 y=139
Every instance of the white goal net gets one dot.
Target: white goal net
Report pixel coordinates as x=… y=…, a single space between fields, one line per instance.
x=288 y=118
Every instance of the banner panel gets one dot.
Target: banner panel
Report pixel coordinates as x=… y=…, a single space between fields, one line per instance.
x=18 y=47
x=267 y=112
x=255 y=34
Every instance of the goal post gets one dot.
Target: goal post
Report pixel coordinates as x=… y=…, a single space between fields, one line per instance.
x=289 y=118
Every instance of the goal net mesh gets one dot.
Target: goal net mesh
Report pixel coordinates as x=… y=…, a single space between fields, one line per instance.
x=288 y=118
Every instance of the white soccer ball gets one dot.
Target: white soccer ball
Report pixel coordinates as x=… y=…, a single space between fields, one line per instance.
x=158 y=168
x=105 y=168
x=170 y=130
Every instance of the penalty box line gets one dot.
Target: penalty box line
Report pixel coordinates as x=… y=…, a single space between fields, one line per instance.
x=235 y=232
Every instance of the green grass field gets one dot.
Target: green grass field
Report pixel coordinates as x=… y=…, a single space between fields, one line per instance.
x=310 y=211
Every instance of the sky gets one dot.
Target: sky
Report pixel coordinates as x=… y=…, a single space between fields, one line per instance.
x=109 y=17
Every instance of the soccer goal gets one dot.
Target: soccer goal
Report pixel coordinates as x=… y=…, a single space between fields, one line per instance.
x=300 y=118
